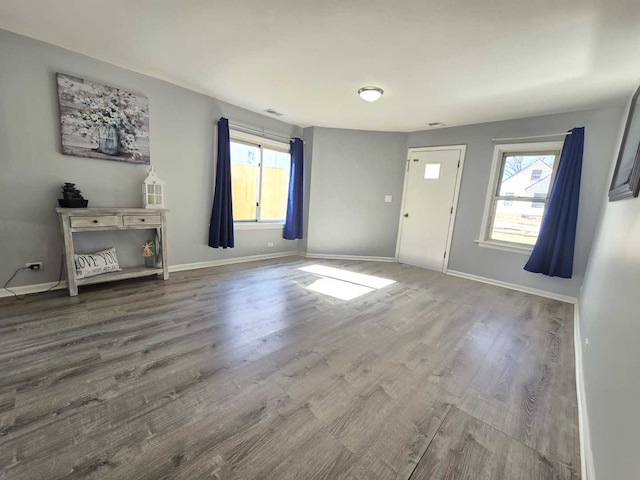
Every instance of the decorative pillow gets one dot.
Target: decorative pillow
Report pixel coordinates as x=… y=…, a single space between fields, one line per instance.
x=91 y=264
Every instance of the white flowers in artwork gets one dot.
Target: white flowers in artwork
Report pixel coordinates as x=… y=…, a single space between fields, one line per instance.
x=104 y=106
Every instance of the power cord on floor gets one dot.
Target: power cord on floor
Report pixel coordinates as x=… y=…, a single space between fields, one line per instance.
x=6 y=285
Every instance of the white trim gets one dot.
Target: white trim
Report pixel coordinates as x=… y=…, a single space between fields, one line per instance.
x=498 y=151
x=41 y=287
x=237 y=134
x=513 y=248
x=363 y=258
x=258 y=226
x=586 y=453
x=563 y=134
x=34 y=288
x=513 y=286
x=402 y=202
x=456 y=193
x=229 y=261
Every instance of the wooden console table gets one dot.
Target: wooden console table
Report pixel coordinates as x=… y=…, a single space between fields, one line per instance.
x=74 y=220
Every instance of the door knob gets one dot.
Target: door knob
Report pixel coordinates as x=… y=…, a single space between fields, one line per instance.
x=406 y=215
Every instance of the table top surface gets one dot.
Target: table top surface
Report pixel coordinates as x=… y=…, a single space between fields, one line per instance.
x=109 y=210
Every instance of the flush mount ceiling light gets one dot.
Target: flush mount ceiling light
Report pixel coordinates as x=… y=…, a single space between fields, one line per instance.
x=370 y=94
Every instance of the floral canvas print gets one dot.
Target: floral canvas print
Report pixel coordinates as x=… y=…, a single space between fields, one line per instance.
x=98 y=121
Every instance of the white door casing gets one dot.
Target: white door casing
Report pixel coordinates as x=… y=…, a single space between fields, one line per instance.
x=432 y=184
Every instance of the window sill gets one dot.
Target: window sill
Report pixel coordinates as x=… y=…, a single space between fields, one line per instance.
x=258 y=226
x=522 y=250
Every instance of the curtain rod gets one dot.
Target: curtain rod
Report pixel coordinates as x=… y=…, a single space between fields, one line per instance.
x=259 y=132
x=564 y=134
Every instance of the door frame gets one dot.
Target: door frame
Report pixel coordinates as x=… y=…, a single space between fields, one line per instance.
x=456 y=193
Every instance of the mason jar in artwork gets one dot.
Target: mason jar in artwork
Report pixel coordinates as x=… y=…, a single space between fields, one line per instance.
x=108 y=139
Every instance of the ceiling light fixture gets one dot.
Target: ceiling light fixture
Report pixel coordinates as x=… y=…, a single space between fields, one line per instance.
x=370 y=94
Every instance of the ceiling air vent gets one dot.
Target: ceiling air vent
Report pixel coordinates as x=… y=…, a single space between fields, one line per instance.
x=271 y=111
x=436 y=124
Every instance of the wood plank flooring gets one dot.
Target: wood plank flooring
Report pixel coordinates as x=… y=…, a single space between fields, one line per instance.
x=242 y=372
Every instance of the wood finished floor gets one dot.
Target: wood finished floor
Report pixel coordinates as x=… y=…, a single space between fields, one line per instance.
x=241 y=372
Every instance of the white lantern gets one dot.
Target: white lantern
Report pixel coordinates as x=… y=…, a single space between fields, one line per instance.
x=153 y=191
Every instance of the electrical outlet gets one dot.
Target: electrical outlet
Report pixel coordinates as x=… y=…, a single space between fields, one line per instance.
x=33 y=265
x=586 y=344
x=270 y=244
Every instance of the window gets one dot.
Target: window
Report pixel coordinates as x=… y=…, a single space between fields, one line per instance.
x=521 y=180
x=509 y=203
x=259 y=179
x=432 y=171
x=538 y=204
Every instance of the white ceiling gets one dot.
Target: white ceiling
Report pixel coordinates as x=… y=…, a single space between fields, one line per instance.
x=451 y=61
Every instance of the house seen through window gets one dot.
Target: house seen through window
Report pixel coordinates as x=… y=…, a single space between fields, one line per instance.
x=520 y=193
x=259 y=181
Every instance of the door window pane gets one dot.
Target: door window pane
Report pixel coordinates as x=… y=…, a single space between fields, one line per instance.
x=432 y=171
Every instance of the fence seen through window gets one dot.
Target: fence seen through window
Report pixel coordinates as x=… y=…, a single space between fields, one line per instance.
x=259 y=182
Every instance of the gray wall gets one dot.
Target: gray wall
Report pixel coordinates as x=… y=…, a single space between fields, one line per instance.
x=182 y=126
x=601 y=130
x=351 y=171
x=307 y=136
x=610 y=319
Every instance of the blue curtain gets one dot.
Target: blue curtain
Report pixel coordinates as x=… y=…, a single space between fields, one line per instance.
x=553 y=253
x=221 y=225
x=293 y=223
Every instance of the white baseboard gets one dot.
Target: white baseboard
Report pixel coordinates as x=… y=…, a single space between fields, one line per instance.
x=41 y=287
x=586 y=454
x=513 y=286
x=35 y=288
x=347 y=257
x=229 y=261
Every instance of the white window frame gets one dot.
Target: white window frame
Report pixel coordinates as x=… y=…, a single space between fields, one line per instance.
x=499 y=152
x=260 y=142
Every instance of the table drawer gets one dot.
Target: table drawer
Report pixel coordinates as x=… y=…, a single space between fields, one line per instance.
x=97 y=221
x=141 y=220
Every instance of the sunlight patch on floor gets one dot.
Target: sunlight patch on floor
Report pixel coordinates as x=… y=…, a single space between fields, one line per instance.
x=343 y=284
x=338 y=289
x=353 y=277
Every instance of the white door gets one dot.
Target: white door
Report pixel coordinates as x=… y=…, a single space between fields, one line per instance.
x=428 y=207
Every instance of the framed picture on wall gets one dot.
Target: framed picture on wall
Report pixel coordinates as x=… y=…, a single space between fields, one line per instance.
x=626 y=176
x=103 y=122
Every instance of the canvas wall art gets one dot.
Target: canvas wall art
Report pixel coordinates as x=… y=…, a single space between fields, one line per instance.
x=626 y=176
x=103 y=122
